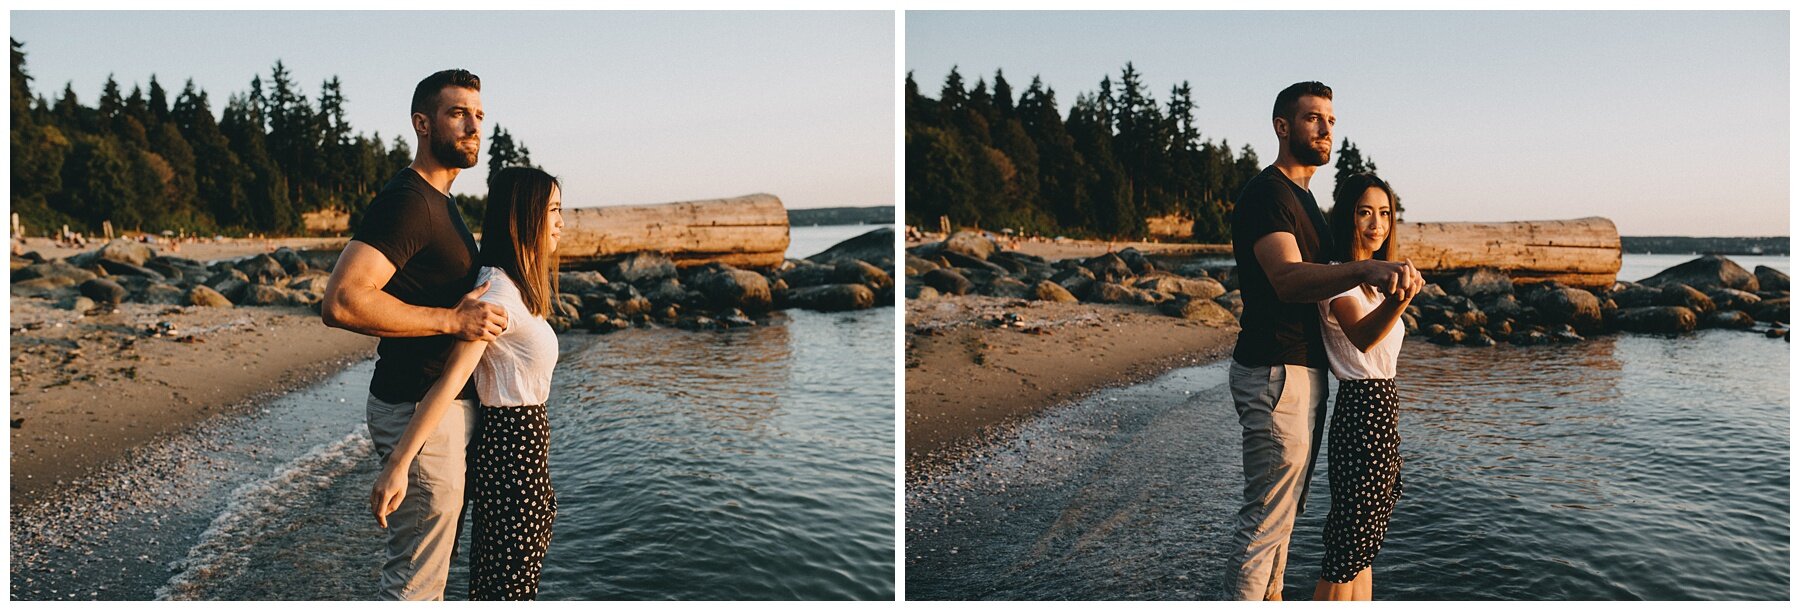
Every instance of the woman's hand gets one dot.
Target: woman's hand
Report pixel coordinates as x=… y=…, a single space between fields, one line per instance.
x=390 y=489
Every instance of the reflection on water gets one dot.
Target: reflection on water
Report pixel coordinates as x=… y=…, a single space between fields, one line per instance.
x=1626 y=467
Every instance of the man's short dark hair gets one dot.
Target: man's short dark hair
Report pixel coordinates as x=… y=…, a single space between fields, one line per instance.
x=425 y=96
x=1289 y=99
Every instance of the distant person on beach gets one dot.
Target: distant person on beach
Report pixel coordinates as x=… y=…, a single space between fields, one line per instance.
x=1277 y=374
x=514 y=502
x=405 y=277
x=1362 y=341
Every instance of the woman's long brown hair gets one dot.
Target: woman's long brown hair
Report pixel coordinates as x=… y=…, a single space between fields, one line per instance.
x=514 y=233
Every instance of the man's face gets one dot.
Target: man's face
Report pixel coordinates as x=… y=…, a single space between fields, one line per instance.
x=1309 y=130
x=455 y=137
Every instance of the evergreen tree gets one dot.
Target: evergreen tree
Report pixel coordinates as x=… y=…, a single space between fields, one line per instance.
x=505 y=152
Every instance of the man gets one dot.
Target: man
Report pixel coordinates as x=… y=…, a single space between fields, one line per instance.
x=1278 y=370
x=405 y=277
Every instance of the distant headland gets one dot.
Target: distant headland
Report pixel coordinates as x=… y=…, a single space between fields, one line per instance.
x=869 y=215
x=1642 y=245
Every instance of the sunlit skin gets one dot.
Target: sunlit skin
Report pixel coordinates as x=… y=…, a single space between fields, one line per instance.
x=555 y=222
x=1306 y=139
x=1374 y=223
x=456 y=124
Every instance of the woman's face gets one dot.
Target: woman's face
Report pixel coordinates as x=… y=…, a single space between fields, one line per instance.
x=1374 y=216
x=554 y=223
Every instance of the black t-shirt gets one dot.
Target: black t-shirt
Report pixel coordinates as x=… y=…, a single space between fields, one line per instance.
x=1273 y=332
x=422 y=233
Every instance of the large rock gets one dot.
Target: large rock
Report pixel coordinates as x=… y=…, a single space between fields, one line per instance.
x=1023 y=265
x=126 y=251
x=1657 y=319
x=666 y=291
x=1108 y=267
x=1005 y=286
x=1732 y=299
x=228 y=281
x=266 y=295
x=971 y=244
x=1633 y=295
x=1479 y=283
x=1707 y=273
x=202 y=295
x=1197 y=309
x=728 y=287
x=869 y=248
x=43 y=287
x=1051 y=291
x=1771 y=310
x=917 y=266
x=1771 y=279
x=857 y=271
x=962 y=261
x=830 y=297
x=1558 y=305
x=641 y=267
x=263 y=269
x=53 y=269
x=580 y=283
x=116 y=268
x=103 y=291
x=1233 y=301
x=290 y=261
x=948 y=282
x=1108 y=292
x=310 y=282
x=1727 y=319
x=1678 y=294
x=1196 y=288
x=1138 y=263
x=162 y=294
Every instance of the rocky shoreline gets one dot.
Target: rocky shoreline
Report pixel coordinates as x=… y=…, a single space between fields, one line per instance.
x=644 y=290
x=1480 y=307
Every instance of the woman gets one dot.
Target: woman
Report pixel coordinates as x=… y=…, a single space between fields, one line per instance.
x=509 y=461
x=1363 y=343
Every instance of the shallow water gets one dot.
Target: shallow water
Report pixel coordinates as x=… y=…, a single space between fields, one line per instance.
x=1627 y=467
x=747 y=464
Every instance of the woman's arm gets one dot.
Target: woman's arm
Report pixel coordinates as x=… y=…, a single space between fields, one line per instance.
x=1365 y=329
x=390 y=486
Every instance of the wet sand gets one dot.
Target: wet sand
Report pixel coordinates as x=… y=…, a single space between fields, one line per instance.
x=967 y=376
x=87 y=389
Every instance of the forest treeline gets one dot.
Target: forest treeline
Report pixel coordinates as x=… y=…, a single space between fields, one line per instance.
x=151 y=161
x=985 y=158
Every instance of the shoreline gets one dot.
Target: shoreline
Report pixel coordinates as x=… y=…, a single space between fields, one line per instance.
x=88 y=390
x=967 y=378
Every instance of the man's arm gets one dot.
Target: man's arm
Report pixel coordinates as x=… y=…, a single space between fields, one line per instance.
x=1296 y=281
x=354 y=301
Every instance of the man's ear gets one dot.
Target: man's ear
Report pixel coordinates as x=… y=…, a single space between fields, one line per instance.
x=421 y=125
x=1281 y=127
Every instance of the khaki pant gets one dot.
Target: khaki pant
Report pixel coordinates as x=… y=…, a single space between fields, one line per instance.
x=1282 y=410
x=421 y=534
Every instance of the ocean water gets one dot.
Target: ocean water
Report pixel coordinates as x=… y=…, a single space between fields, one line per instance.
x=1627 y=467
x=754 y=463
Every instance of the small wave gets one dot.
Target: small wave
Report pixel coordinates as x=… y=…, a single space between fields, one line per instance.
x=256 y=508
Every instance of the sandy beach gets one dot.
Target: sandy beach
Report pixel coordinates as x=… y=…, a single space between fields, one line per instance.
x=971 y=367
x=88 y=389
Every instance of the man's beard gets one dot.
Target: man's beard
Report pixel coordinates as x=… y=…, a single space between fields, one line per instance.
x=448 y=154
x=1306 y=154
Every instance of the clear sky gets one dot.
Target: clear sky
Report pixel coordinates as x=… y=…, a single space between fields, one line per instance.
x=626 y=108
x=1669 y=123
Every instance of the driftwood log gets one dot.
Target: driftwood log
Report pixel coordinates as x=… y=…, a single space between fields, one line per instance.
x=1582 y=253
x=750 y=231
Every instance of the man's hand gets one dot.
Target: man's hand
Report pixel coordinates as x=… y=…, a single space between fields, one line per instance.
x=1388 y=277
x=475 y=320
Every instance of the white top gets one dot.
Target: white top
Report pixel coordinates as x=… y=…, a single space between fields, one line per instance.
x=1348 y=363
x=515 y=369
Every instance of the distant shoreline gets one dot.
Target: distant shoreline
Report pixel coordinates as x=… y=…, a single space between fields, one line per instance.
x=1681 y=245
x=846 y=215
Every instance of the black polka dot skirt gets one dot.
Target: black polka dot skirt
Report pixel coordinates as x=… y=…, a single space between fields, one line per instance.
x=514 y=503
x=1364 y=455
